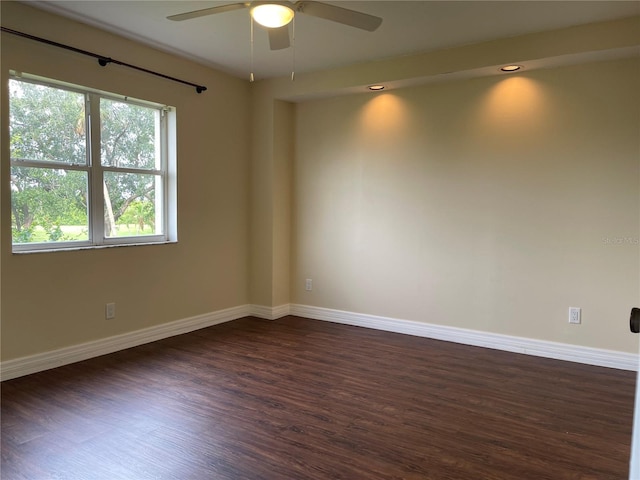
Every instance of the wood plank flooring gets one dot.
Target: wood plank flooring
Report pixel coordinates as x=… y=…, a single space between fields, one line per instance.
x=304 y=399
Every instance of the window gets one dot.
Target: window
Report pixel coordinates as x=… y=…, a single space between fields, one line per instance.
x=88 y=168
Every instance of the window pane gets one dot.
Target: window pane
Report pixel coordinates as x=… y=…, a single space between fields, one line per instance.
x=130 y=135
x=132 y=204
x=48 y=205
x=46 y=124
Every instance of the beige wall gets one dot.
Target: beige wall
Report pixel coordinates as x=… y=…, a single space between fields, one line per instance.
x=284 y=120
x=270 y=193
x=52 y=300
x=482 y=203
x=492 y=204
x=261 y=201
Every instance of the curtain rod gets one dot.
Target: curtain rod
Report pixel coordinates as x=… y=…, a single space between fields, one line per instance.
x=102 y=60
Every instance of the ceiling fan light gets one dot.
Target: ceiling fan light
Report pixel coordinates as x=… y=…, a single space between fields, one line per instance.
x=272 y=15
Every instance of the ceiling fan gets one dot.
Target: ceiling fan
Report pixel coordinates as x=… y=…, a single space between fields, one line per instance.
x=276 y=15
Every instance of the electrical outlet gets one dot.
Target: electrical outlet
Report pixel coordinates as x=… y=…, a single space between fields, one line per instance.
x=308 y=284
x=110 y=311
x=575 y=315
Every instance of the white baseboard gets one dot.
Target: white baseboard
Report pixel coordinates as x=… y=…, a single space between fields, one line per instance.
x=269 y=313
x=539 y=348
x=75 y=353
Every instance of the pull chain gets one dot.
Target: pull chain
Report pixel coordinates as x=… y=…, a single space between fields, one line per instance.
x=251 y=78
x=293 y=49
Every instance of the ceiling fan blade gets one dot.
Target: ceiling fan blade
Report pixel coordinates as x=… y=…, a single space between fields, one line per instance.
x=207 y=11
x=279 y=38
x=345 y=16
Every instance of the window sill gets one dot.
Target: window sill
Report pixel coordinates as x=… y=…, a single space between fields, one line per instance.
x=90 y=247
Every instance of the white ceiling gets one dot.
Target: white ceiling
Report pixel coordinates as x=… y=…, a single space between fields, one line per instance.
x=408 y=27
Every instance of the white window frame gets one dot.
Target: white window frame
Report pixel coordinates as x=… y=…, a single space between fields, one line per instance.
x=167 y=172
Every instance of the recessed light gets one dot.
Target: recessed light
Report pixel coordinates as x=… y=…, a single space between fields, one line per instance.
x=376 y=88
x=511 y=68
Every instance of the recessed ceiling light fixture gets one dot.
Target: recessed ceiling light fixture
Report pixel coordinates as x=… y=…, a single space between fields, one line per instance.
x=511 y=68
x=375 y=88
x=271 y=14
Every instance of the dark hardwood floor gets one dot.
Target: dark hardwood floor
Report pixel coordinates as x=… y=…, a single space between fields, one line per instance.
x=304 y=399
